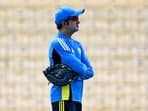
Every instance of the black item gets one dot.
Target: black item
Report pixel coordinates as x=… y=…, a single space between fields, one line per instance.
x=59 y=74
x=66 y=105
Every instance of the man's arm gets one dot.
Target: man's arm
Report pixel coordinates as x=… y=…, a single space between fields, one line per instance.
x=85 y=71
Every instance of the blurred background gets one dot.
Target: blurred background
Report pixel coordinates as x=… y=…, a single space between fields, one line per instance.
x=114 y=34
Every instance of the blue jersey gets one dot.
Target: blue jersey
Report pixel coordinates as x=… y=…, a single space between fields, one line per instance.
x=70 y=52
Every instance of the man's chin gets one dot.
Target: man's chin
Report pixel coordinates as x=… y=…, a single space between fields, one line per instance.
x=77 y=29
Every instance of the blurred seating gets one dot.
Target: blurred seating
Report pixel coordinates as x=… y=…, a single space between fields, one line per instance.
x=114 y=34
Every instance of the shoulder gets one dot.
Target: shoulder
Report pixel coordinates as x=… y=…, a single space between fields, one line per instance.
x=60 y=43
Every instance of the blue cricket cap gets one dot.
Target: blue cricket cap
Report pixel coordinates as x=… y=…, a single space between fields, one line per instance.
x=65 y=12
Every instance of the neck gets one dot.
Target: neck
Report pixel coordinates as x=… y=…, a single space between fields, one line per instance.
x=68 y=34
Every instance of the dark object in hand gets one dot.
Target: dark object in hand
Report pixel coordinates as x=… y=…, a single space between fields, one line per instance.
x=59 y=74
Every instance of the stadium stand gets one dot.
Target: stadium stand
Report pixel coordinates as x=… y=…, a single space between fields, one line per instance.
x=114 y=34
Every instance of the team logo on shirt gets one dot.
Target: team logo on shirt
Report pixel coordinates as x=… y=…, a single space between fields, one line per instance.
x=79 y=51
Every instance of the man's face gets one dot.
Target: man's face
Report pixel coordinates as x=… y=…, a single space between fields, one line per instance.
x=73 y=25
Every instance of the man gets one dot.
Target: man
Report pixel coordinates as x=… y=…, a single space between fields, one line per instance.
x=64 y=49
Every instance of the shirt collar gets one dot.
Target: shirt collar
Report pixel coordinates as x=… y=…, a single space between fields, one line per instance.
x=61 y=35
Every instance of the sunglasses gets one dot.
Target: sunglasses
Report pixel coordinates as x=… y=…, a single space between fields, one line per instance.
x=74 y=18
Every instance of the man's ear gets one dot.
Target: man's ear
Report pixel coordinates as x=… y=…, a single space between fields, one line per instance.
x=65 y=23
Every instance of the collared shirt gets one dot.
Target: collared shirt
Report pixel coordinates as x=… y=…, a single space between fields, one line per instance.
x=72 y=54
